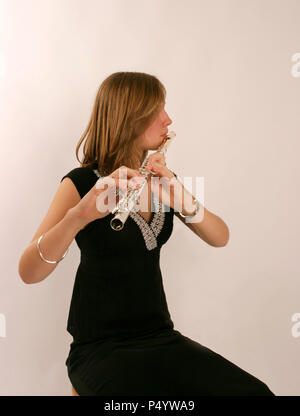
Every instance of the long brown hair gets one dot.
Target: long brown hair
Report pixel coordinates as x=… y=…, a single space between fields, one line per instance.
x=125 y=105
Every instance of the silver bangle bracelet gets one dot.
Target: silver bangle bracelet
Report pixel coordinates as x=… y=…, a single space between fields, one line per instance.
x=40 y=253
x=196 y=212
x=195 y=200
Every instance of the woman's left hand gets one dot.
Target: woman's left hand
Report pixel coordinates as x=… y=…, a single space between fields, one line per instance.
x=163 y=186
x=166 y=187
x=157 y=164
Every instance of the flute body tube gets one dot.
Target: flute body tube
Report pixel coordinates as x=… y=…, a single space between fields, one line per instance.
x=131 y=197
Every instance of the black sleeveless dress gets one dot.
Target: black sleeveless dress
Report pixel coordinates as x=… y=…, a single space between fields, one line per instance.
x=124 y=341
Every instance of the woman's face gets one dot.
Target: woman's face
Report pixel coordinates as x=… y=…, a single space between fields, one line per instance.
x=154 y=135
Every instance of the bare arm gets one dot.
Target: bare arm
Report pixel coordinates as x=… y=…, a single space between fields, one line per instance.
x=211 y=229
x=206 y=225
x=32 y=269
x=60 y=226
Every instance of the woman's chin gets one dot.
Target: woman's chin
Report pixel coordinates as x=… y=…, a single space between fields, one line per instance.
x=156 y=145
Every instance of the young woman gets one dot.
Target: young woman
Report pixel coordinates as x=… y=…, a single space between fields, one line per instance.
x=124 y=341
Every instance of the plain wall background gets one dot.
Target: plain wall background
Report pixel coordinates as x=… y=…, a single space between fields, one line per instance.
x=234 y=102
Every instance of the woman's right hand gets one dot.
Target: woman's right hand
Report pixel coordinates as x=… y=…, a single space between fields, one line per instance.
x=94 y=205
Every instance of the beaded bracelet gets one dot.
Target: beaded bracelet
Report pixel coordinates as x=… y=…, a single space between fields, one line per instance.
x=40 y=253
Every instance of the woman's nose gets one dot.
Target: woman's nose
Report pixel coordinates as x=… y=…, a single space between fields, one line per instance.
x=168 y=120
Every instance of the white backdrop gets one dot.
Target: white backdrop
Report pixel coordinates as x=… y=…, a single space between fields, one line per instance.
x=233 y=96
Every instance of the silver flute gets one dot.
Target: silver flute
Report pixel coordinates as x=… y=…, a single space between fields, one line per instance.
x=131 y=197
